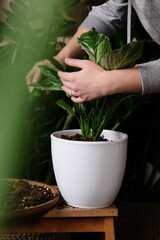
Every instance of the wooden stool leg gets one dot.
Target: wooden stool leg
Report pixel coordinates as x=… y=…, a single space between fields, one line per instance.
x=109 y=228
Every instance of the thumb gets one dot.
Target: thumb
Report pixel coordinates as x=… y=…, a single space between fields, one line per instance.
x=75 y=62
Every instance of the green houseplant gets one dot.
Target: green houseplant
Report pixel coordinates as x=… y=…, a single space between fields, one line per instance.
x=93 y=116
x=100 y=161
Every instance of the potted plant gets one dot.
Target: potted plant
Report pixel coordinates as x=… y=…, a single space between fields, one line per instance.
x=89 y=173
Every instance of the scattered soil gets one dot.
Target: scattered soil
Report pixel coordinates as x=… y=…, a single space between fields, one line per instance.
x=21 y=194
x=78 y=137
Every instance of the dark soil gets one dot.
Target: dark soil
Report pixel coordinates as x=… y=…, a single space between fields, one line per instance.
x=78 y=137
x=21 y=194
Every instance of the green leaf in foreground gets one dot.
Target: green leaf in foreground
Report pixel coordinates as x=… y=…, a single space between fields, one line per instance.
x=95 y=45
x=65 y=106
x=49 y=72
x=52 y=82
x=57 y=64
x=122 y=57
x=47 y=84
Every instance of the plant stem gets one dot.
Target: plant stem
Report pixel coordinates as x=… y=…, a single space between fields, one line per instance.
x=68 y=121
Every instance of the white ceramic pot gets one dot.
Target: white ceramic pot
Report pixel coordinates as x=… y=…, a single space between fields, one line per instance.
x=89 y=174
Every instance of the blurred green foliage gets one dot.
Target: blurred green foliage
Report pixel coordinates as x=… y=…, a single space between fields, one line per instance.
x=30 y=33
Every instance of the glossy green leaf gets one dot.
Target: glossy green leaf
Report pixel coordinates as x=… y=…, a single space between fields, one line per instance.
x=123 y=57
x=49 y=72
x=57 y=64
x=95 y=45
x=52 y=81
x=103 y=48
x=80 y=108
x=47 y=84
x=65 y=106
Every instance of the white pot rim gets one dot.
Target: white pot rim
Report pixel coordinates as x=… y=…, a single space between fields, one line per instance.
x=55 y=136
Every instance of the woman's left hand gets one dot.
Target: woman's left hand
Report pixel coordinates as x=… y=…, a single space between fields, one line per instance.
x=86 y=84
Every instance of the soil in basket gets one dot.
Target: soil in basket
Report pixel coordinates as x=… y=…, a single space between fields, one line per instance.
x=78 y=137
x=21 y=194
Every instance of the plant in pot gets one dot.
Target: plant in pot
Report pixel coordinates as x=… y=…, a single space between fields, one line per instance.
x=89 y=172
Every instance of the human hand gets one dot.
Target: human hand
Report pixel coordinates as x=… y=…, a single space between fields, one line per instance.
x=35 y=73
x=86 y=84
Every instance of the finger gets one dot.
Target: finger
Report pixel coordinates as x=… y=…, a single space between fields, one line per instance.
x=66 y=76
x=75 y=62
x=67 y=84
x=45 y=62
x=78 y=99
x=36 y=77
x=30 y=75
x=69 y=91
x=29 y=79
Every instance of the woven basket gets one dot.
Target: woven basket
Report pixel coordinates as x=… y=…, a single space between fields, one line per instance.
x=138 y=221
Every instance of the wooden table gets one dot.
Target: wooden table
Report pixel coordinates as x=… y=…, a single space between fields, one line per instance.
x=63 y=219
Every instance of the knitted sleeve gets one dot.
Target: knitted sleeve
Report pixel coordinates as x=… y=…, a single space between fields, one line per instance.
x=107 y=18
x=150 y=76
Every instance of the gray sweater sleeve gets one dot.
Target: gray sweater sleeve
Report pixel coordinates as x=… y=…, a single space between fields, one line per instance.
x=107 y=18
x=150 y=76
